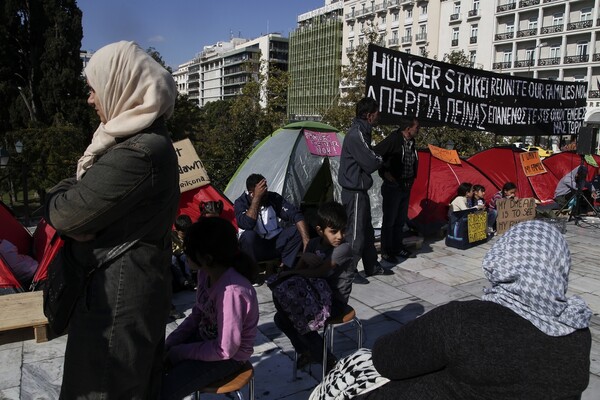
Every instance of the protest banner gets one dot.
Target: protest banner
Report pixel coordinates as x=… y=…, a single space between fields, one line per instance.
x=191 y=171
x=477 y=226
x=511 y=212
x=449 y=156
x=325 y=144
x=438 y=93
x=532 y=164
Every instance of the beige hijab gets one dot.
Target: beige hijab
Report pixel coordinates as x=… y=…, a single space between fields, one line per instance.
x=132 y=89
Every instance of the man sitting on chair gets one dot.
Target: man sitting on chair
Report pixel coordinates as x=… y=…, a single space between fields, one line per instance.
x=567 y=188
x=258 y=213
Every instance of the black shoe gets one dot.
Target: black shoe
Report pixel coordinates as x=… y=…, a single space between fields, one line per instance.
x=389 y=259
x=405 y=254
x=379 y=270
x=359 y=279
x=303 y=360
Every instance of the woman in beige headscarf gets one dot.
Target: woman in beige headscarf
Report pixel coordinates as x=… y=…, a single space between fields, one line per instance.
x=126 y=189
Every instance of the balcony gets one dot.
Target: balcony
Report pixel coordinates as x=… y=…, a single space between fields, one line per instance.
x=454 y=42
x=501 y=65
x=549 y=1
x=598 y=22
x=551 y=29
x=527 y=32
x=596 y=57
x=406 y=39
x=527 y=3
x=504 y=36
x=421 y=37
x=350 y=50
x=473 y=39
x=576 y=59
x=406 y=2
x=506 y=7
x=594 y=94
x=393 y=3
x=524 y=63
x=393 y=42
x=381 y=8
x=454 y=18
x=473 y=13
x=571 y=26
x=351 y=15
x=549 y=61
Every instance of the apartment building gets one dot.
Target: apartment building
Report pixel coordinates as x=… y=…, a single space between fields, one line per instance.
x=221 y=70
x=315 y=61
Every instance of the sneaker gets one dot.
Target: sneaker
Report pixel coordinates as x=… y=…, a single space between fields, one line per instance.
x=405 y=254
x=389 y=259
x=379 y=270
x=360 y=280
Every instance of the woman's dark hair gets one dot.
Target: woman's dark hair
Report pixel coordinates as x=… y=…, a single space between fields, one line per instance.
x=463 y=189
x=477 y=188
x=332 y=215
x=217 y=237
x=508 y=186
x=365 y=106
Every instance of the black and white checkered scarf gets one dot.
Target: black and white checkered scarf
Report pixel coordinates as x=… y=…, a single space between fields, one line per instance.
x=528 y=268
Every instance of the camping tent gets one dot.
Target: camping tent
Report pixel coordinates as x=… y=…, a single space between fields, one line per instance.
x=503 y=164
x=189 y=202
x=435 y=186
x=301 y=177
x=561 y=164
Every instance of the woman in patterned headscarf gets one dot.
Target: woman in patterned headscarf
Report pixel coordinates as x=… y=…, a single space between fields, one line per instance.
x=126 y=189
x=524 y=340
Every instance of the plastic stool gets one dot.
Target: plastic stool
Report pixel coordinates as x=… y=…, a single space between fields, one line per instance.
x=234 y=383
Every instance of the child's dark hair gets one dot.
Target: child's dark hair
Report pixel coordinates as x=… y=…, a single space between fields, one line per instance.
x=332 y=215
x=463 y=189
x=477 y=188
x=217 y=238
x=183 y=222
x=508 y=186
x=253 y=180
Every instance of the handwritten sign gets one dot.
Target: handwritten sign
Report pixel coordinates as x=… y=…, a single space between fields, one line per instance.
x=511 y=212
x=449 y=156
x=532 y=165
x=439 y=93
x=324 y=144
x=191 y=171
x=477 y=226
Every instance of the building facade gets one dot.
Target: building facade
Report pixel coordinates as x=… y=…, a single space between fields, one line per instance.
x=315 y=62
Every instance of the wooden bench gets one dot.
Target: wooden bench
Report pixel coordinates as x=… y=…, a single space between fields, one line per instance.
x=24 y=310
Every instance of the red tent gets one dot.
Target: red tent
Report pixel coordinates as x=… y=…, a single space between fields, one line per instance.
x=503 y=164
x=189 y=203
x=435 y=187
x=560 y=164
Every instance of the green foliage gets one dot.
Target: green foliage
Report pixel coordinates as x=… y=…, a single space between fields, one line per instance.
x=158 y=58
x=185 y=120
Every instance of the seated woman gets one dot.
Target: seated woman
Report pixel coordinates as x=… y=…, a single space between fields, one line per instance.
x=464 y=198
x=525 y=339
x=217 y=338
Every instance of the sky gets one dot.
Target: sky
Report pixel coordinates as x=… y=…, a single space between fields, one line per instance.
x=179 y=29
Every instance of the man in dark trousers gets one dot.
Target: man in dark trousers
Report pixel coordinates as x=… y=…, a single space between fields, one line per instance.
x=398 y=172
x=270 y=226
x=357 y=163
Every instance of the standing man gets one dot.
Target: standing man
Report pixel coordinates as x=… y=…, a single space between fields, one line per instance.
x=357 y=163
x=258 y=213
x=398 y=172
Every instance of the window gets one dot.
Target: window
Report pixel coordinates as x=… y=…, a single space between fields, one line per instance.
x=557 y=19
x=454 y=33
x=510 y=27
x=456 y=7
x=409 y=13
x=395 y=17
x=507 y=56
x=351 y=43
x=422 y=51
x=586 y=14
x=407 y=51
x=475 y=4
x=361 y=41
x=555 y=52
x=423 y=29
x=424 y=9
x=395 y=35
x=474 y=30
x=472 y=57
x=362 y=26
x=383 y=20
x=582 y=48
x=408 y=32
x=530 y=54
x=533 y=23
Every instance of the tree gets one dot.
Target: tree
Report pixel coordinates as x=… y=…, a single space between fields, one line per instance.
x=186 y=118
x=158 y=58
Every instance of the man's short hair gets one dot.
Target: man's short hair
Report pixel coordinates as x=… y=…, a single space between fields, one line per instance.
x=253 y=180
x=406 y=122
x=332 y=215
x=365 y=106
x=183 y=222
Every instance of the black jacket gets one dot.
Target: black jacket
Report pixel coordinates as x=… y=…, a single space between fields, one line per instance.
x=391 y=149
x=358 y=161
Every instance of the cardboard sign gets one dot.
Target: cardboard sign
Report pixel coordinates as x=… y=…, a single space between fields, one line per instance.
x=192 y=174
x=532 y=165
x=477 y=226
x=449 y=156
x=324 y=144
x=511 y=212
